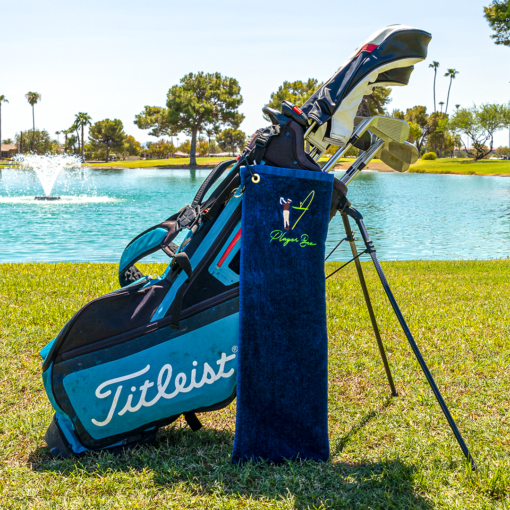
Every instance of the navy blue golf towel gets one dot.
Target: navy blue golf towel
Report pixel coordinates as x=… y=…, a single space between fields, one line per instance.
x=282 y=385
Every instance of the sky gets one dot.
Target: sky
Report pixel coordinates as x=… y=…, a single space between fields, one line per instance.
x=110 y=58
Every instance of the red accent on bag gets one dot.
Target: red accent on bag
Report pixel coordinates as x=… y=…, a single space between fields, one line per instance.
x=229 y=248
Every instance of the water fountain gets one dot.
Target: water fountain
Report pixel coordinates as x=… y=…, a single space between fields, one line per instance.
x=47 y=169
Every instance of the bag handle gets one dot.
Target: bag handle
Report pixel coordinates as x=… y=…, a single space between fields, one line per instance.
x=210 y=180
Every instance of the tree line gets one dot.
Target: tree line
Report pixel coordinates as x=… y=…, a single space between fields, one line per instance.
x=205 y=107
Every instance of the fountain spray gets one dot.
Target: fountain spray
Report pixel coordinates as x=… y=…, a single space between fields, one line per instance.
x=47 y=169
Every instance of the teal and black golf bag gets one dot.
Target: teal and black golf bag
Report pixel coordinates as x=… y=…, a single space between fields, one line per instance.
x=136 y=359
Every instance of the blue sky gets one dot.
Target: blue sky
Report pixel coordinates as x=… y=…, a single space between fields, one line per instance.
x=110 y=58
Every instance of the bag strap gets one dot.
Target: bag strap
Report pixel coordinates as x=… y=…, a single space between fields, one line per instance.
x=210 y=180
x=181 y=260
x=161 y=236
x=258 y=146
x=158 y=237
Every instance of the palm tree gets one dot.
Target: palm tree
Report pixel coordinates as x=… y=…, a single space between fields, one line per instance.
x=33 y=98
x=434 y=66
x=457 y=106
x=451 y=73
x=210 y=131
x=3 y=99
x=66 y=133
x=58 y=137
x=81 y=120
x=441 y=103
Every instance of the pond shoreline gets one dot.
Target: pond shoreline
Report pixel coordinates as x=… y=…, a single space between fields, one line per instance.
x=374 y=167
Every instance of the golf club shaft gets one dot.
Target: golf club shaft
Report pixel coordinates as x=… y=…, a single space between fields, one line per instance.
x=370 y=247
x=350 y=238
x=360 y=129
x=361 y=162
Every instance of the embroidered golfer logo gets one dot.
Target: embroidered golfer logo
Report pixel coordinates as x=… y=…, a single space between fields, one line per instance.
x=304 y=206
x=286 y=212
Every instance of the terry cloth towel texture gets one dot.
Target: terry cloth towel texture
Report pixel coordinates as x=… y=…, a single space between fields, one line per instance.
x=282 y=385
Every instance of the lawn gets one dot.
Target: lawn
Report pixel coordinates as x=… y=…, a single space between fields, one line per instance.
x=462 y=166
x=385 y=452
x=159 y=163
x=439 y=166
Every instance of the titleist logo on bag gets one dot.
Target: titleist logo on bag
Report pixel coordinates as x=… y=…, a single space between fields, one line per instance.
x=124 y=399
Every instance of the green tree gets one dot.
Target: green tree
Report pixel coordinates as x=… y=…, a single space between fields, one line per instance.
x=211 y=130
x=202 y=147
x=503 y=152
x=375 y=103
x=156 y=119
x=7 y=141
x=132 y=146
x=417 y=116
x=438 y=133
x=231 y=139
x=398 y=114
x=80 y=121
x=451 y=73
x=297 y=92
x=480 y=124
x=33 y=98
x=38 y=141
x=185 y=147
x=434 y=66
x=3 y=99
x=67 y=132
x=498 y=16
x=161 y=149
x=107 y=134
x=199 y=100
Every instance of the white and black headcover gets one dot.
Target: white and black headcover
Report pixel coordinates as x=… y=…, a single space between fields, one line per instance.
x=386 y=58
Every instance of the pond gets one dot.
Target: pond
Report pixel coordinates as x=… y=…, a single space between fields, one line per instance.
x=409 y=216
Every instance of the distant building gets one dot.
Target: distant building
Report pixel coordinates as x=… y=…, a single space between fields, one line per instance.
x=8 y=151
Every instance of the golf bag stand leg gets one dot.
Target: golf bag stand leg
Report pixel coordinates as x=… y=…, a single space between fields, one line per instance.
x=358 y=218
x=350 y=238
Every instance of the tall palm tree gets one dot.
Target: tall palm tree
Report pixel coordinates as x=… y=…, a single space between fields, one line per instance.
x=434 y=66
x=451 y=73
x=58 y=137
x=441 y=103
x=81 y=120
x=3 y=99
x=66 y=133
x=33 y=98
x=457 y=106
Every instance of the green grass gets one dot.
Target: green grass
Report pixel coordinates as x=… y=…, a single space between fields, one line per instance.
x=385 y=452
x=159 y=163
x=462 y=166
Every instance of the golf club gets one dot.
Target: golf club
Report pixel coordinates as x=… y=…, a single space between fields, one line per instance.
x=388 y=129
x=392 y=161
x=406 y=152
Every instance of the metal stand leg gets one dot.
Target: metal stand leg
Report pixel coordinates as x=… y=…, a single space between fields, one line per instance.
x=361 y=277
x=358 y=218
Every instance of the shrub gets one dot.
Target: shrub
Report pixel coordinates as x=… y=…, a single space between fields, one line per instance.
x=429 y=156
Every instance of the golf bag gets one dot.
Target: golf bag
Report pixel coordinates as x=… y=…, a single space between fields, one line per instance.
x=137 y=358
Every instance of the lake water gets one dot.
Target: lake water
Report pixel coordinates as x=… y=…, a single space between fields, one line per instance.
x=409 y=216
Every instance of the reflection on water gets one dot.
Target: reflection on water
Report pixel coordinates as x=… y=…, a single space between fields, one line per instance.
x=409 y=216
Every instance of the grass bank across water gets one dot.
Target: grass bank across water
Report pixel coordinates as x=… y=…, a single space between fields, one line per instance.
x=439 y=166
x=161 y=163
x=463 y=167
x=385 y=452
